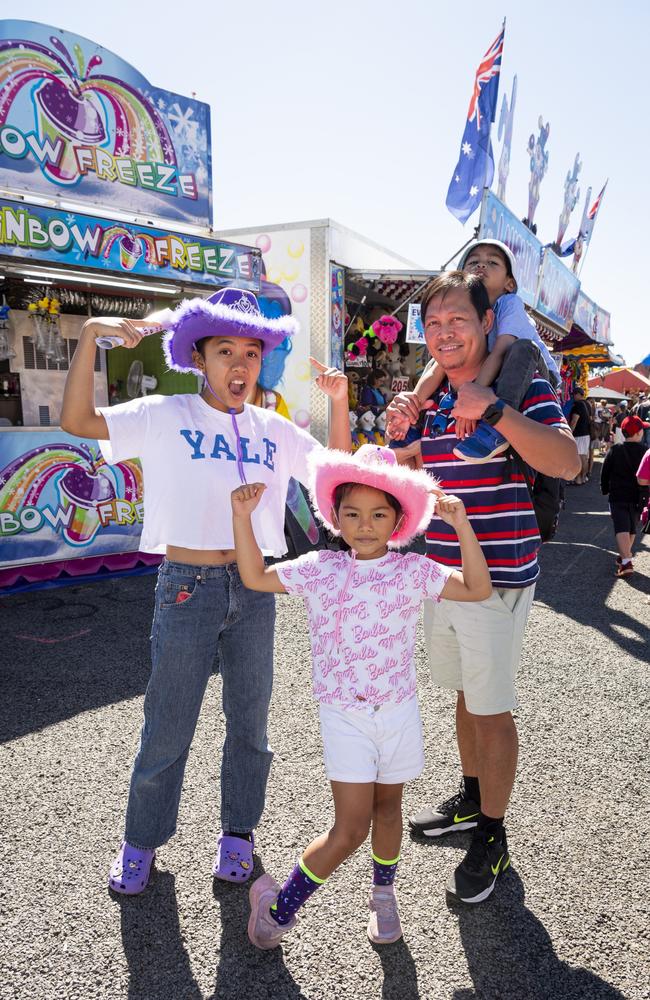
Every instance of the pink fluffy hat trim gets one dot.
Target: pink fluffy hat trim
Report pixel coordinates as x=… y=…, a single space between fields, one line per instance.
x=230 y=312
x=376 y=467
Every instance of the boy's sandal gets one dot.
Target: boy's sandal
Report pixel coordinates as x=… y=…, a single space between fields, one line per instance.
x=234 y=859
x=130 y=872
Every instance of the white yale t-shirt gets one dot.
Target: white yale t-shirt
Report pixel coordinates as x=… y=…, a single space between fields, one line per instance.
x=188 y=452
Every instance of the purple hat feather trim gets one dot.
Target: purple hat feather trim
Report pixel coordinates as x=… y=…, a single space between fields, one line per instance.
x=196 y=318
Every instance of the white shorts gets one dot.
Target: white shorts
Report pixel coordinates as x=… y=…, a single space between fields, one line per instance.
x=475 y=647
x=364 y=744
x=582 y=444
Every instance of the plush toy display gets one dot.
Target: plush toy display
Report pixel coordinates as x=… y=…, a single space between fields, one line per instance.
x=387 y=329
x=354 y=421
x=361 y=346
x=380 y=428
x=366 y=428
x=353 y=389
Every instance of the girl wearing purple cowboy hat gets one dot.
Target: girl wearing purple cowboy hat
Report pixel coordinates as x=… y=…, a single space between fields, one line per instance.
x=363 y=607
x=195 y=449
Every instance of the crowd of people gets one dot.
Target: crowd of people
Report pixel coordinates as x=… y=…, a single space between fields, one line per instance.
x=490 y=395
x=622 y=433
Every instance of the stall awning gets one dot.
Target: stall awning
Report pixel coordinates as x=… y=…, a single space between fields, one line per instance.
x=591 y=354
x=549 y=332
x=396 y=287
x=622 y=380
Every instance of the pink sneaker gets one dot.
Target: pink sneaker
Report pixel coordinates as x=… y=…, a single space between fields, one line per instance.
x=263 y=931
x=384 y=926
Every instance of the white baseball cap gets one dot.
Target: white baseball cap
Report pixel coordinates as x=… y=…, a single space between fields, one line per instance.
x=510 y=257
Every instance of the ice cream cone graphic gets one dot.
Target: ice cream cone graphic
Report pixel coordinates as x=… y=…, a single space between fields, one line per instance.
x=75 y=117
x=82 y=491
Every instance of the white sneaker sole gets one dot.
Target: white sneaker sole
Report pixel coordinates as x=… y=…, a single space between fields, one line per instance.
x=480 y=898
x=441 y=831
x=481 y=461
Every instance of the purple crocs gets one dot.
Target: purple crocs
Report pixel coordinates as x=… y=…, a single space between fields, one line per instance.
x=129 y=873
x=234 y=859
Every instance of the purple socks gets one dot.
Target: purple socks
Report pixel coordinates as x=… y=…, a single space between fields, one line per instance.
x=384 y=871
x=296 y=890
x=302 y=883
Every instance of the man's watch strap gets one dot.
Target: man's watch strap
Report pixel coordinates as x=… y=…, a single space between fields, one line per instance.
x=493 y=413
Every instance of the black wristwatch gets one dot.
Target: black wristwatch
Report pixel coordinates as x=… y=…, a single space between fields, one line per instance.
x=493 y=413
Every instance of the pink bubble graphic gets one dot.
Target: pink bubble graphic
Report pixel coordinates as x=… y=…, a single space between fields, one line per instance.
x=263 y=243
x=299 y=293
x=302 y=418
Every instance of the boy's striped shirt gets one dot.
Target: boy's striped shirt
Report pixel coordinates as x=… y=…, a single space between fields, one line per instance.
x=495 y=495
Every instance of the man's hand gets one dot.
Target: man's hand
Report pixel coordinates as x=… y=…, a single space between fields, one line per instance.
x=397 y=426
x=406 y=405
x=245 y=499
x=473 y=400
x=451 y=510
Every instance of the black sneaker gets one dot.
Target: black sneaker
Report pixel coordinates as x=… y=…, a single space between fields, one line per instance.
x=457 y=813
x=476 y=876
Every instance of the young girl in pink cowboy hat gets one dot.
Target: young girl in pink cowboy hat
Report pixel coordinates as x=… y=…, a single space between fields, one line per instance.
x=363 y=606
x=194 y=449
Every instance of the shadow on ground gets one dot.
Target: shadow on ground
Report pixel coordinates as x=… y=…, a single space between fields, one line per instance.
x=159 y=965
x=72 y=650
x=510 y=954
x=243 y=970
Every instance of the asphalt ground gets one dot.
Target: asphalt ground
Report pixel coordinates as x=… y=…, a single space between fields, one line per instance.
x=570 y=920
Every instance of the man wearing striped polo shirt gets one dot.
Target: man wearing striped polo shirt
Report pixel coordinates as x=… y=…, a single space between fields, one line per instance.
x=475 y=650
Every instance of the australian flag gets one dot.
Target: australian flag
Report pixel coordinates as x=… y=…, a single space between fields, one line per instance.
x=475 y=167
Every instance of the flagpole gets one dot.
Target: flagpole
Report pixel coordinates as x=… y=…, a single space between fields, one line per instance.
x=593 y=225
x=503 y=29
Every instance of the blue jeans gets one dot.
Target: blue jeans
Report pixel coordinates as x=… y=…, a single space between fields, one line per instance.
x=221 y=618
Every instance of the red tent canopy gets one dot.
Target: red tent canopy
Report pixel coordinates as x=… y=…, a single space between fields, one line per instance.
x=622 y=380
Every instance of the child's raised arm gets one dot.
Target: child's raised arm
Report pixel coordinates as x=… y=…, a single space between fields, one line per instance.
x=78 y=413
x=250 y=562
x=473 y=582
x=335 y=385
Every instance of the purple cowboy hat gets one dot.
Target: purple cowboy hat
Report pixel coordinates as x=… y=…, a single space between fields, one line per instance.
x=230 y=312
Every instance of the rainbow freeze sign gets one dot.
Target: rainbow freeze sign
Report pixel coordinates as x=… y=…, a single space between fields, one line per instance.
x=59 y=499
x=34 y=232
x=76 y=120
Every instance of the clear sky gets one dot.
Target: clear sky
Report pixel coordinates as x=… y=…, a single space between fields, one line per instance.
x=354 y=110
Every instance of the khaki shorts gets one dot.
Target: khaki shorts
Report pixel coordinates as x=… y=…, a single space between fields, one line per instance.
x=475 y=647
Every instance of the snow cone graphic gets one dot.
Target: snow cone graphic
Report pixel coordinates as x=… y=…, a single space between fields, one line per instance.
x=75 y=117
x=76 y=103
x=82 y=491
x=130 y=251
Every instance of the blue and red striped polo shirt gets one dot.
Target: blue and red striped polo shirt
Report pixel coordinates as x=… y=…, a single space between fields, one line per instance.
x=495 y=495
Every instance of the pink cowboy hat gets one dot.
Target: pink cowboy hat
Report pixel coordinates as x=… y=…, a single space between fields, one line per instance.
x=376 y=467
x=230 y=312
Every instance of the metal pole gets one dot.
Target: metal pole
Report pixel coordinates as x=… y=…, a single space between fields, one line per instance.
x=417 y=291
x=359 y=307
x=460 y=250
